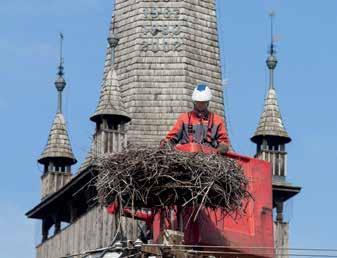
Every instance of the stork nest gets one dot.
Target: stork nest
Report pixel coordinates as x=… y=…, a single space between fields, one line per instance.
x=144 y=177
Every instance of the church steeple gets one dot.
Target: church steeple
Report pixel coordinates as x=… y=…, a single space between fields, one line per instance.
x=57 y=156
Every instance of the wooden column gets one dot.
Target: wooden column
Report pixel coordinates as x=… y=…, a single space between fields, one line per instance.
x=46 y=224
x=57 y=226
x=279 y=211
x=281 y=236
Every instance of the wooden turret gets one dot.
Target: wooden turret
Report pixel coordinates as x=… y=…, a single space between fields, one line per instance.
x=57 y=156
x=271 y=138
x=111 y=117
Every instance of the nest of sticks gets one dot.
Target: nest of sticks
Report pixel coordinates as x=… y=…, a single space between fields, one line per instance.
x=157 y=178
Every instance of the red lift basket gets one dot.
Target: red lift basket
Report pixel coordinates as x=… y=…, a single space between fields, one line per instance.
x=245 y=235
x=251 y=233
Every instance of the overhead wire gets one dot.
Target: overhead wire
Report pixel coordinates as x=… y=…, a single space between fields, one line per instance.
x=244 y=247
x=266 y=251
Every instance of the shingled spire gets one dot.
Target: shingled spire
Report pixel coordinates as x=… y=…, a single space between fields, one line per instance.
x=58 y=145
x=57 y=157
x=271 y=138
x=271 y=124
x=110 y=116
x=110 y=103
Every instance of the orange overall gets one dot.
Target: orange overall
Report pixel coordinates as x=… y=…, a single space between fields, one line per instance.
x=191 y=128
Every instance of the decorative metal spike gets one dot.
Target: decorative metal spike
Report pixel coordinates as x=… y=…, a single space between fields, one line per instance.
x=60 y=82
x=271 y=60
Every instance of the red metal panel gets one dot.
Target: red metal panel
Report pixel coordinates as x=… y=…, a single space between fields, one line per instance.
x=252 y=229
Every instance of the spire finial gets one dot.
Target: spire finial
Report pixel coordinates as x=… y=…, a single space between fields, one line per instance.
x=272 y=15
x=60 y=83
x=113 y=41
x=271 y=60
x=61 y=55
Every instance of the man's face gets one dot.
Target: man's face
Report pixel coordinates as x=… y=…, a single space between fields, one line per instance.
x=201 y=106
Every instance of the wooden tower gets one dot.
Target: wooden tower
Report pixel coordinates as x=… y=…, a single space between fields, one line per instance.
x=271 y=138
x=57 y=157
x=165 y=48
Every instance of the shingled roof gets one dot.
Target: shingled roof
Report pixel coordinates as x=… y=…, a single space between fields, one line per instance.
x=58 y=145
x=271 y=123
x=110 y=102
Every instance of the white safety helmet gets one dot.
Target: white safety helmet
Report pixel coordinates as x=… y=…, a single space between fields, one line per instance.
x=202 y=93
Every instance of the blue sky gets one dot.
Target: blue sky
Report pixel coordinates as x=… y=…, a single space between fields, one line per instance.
x=305 y=82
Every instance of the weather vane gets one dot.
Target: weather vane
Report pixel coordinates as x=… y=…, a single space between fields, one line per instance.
x=61 y=54
x=272 y=38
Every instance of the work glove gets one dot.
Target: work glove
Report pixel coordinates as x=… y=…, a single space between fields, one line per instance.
x=166 y=144
x=223 y=148
x=163 y=143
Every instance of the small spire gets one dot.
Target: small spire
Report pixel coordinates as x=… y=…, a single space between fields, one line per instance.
x=111 y=103
x=60 y=82
x=271 y=123
x=58 y=146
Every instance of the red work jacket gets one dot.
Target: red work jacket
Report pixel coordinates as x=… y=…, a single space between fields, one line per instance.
x=190 y=127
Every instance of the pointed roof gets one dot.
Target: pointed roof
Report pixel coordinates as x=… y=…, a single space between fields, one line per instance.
x=110 y=102
x=271 y=123
x=58 y=146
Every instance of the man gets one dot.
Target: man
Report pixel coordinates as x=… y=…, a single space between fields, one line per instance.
x=199 y=125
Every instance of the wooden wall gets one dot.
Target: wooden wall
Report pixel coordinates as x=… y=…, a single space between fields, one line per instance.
x=53 y=181
x=93 y=230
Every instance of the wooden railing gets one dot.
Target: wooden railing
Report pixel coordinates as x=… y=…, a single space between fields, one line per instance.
x=110 y=141
x=278 y=159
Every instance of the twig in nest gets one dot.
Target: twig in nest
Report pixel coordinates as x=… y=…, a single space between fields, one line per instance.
x=159 y=178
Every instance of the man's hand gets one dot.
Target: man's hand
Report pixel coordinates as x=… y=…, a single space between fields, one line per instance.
x=223 y=148
x=163 y=143
x=167 y=144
